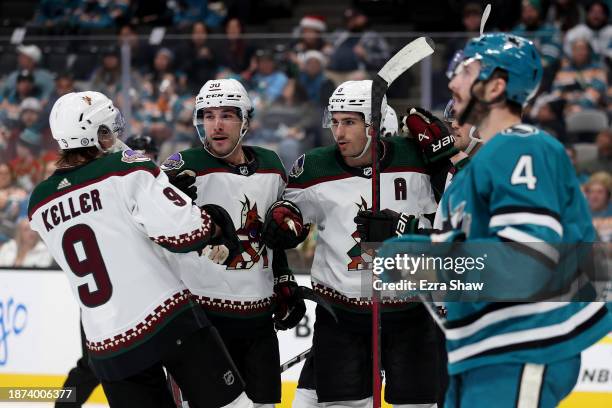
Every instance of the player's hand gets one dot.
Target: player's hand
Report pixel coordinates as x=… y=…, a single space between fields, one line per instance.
x=225 y=234
x=216 y=253
x=185 y=181
x=289 y=307
x=284 y=226
x=385 y=224
x=431 y=134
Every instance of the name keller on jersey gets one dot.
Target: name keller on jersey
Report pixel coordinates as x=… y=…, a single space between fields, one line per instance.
x=71 y=208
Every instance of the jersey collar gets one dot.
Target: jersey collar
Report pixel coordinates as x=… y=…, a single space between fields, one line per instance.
x=385 y=153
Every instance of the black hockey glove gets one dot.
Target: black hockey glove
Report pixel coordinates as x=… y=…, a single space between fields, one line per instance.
x=184 y=181
x=227 y=235
x=289 y=306
x=434 y=137
x=385 y=224
x=284 y=226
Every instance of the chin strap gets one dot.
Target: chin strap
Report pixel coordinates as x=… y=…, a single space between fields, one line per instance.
x=474 y=141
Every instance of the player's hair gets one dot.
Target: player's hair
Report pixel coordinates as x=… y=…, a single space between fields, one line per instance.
x=74 y=157
x=514 y=107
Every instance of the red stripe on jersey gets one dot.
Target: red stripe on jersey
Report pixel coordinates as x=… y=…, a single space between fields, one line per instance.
x=404 y=169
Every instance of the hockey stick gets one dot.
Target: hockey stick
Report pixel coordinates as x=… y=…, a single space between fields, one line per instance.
x=408 y=56
x=484 y=18
x=295 y=360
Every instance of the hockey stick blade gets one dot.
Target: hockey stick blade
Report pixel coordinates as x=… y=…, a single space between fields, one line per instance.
x=484 y=18
x=309 y=294
x=405 y=58
x=295 y=360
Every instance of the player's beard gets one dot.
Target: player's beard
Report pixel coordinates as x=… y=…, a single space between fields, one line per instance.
x=478 y=110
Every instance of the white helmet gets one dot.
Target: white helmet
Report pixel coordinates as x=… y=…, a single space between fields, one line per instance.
x=354 y=96
x=77 y=117
x=218 y=93
x=389 y=125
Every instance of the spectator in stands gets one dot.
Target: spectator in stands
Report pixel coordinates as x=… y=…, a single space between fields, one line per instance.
x=595 y=29
x=163 y=68
x=471 y=14
x=28 y=58
x=235 y=52
x=51 y=13
x=582 y=80
x=564 y=14
x=64 y=83
x=603 y=162
x=597 y=191
x=573 y=156
x=356 y=49
x=150 y=12
x=26 y=250
x=267 y=80
x=310 y=37
x=25 y=89
x=140 y=52
x=546 y=37
x=11 y=196
x=92 y=14
x=25 y=165
x=107 y=77
x=197 y=58
x=312 y=77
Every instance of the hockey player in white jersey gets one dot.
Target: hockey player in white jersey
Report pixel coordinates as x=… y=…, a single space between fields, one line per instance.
x=108 y=218
x=249 y=291
x=328 y=187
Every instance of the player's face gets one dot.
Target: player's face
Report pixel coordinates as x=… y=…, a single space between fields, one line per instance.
x=349 y=131
x=222 y=127
x=462 y=134
x=461 y=84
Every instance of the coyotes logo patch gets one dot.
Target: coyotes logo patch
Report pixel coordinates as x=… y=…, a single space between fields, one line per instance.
x=298 y=167
x=249 y=234
x=174 y=162
x=131 y=156
x=361 y=258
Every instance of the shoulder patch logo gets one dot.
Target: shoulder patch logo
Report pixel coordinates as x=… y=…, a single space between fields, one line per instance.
x=131 y=156
x=174 y=162
x=298 y=167
x=63 y=184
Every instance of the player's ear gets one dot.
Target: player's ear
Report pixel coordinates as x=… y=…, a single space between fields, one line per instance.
x=496 y=88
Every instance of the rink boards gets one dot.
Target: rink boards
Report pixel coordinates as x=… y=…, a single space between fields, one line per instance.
x=39 y=340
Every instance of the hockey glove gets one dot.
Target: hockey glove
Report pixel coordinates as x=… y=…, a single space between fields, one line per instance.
x=284 y=226
x=227 y=236
x=431 y=134
x=289 y=307
x=185 y=181
x=385 y=224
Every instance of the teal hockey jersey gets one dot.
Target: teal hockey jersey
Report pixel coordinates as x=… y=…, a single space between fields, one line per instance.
x=521 y=189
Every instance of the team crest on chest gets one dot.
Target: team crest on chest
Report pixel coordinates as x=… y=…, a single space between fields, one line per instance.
x=249 y=234
x=174 y=162
x=298 y=167
x=244 y=170
x=361 y=258
x=131 y=156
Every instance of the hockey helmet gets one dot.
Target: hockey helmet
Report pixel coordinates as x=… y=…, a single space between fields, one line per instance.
x=77 y=118
x=515 y=55
x=354 y=96
x=218 y=93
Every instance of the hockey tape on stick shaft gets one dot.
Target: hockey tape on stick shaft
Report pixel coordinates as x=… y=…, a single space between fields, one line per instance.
x=296 y=360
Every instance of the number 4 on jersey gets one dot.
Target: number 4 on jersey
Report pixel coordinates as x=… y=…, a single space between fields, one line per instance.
x=523 y=173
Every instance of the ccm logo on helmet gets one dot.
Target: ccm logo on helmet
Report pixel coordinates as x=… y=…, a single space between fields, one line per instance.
x=338 y=100
x=214 y=96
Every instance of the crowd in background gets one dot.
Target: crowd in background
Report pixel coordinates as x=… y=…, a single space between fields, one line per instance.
x=289 y=80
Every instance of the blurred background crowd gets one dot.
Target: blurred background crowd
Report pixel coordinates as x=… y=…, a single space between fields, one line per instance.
x=151 y=57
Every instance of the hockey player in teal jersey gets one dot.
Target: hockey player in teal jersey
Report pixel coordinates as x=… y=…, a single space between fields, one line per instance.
x=519 y=188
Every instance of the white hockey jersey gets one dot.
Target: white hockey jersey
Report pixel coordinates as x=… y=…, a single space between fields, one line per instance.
x=245 y=287
x=329 y=193
x=100 y=221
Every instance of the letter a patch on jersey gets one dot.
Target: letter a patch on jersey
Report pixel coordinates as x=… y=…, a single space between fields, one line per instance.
x=298 y=167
